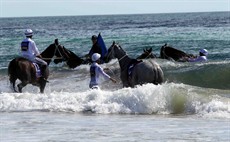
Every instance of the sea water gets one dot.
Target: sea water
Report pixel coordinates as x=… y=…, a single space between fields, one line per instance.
x=191 y=105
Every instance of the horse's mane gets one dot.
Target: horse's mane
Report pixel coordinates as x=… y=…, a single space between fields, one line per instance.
x=62 y=54
x=168 y=52
x=48 y=53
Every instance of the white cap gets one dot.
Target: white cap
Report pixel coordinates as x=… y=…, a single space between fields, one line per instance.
x=95 y=57
x=28 y=32
x=204 y=51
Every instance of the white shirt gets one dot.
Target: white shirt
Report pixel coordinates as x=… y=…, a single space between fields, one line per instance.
x=95 y=72
x=198 y=59
x=28 y=49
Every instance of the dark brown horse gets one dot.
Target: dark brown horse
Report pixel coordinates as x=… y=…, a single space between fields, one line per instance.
x=24 y=70
x=63 y=54
x=147 y=54
x=170 y=53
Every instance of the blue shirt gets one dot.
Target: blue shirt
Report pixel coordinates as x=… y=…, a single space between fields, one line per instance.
x=95 y=72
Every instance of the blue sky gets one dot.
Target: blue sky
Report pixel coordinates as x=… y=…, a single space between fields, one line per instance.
x=25 y=8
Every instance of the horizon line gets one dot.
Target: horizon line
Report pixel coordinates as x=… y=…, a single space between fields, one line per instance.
x=80 y=15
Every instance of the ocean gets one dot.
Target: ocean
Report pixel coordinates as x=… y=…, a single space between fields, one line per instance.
x=193 y=103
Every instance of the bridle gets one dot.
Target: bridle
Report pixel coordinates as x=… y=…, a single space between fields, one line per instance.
x=57 y=50
x=113 y=51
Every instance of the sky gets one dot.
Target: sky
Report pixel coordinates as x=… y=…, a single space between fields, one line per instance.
x=32 y=8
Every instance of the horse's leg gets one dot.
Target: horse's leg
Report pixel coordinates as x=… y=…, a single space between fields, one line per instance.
x=133 y=81
x=12 y=81
x=42 y=83
x=21 y=85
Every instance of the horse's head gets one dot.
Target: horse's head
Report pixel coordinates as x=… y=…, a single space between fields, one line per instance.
x=115 y=51
x=147 y=54
x=170 y=53
x=60 y=54
x=52 y=50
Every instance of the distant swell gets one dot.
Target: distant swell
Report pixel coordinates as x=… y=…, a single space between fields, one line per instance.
x=209 y=75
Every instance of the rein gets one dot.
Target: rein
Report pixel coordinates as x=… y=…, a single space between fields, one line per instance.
x=56 y=49
x=52 y=58
x=119 y=60
x=148 y=55
x=122 y=57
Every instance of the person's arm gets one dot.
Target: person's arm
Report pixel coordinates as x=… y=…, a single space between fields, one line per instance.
x=35 y=49
x=198 y=59
x=100 y=70
x=90 y=52
x=97 y=49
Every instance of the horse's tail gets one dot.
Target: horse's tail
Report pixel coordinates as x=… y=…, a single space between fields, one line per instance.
x=12 y=68
x=159 y=75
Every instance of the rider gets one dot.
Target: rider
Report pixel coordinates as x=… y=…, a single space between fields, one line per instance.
x=96 y=71
x=30 y=51
x=95 y=48
x=201 y=58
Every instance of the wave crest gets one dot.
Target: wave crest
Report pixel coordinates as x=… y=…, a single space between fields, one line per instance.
x=169 y=98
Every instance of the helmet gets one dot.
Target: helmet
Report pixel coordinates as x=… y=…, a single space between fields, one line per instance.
x=94 y=37
x=96 y=57
x=204 y=51
x=28 y=32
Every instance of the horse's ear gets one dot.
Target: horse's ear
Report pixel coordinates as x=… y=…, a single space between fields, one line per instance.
x=150 y=49
x=164 y=45
x=144 y=50
x=56 y=41
x=113 y=43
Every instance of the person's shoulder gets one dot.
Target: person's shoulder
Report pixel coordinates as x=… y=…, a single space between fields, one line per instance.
x=31 y=40
x=203 y=57
x=98 y=66
x=94 y=64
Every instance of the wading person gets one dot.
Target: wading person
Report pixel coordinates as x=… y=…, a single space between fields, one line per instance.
x=96 y=71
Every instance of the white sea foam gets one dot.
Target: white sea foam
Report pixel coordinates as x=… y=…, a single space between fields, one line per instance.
x=68 y=91
x=168 y=98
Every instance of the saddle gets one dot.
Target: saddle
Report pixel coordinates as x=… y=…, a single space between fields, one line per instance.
x=131 y=66
x=38 y=70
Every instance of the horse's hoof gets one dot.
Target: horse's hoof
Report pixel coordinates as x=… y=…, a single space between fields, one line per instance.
x=19 y=89
x=44 y=79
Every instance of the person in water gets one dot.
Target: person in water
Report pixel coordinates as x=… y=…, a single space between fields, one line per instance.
x=201 y=58
x=95 y=47
x=96 y=71
x=29 y=50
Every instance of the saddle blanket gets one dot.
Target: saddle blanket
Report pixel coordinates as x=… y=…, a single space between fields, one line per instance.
x=38 y=70
x=131 y=67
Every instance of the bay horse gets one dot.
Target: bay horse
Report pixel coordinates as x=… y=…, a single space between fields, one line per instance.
x=24 y=70
x=142 y=71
